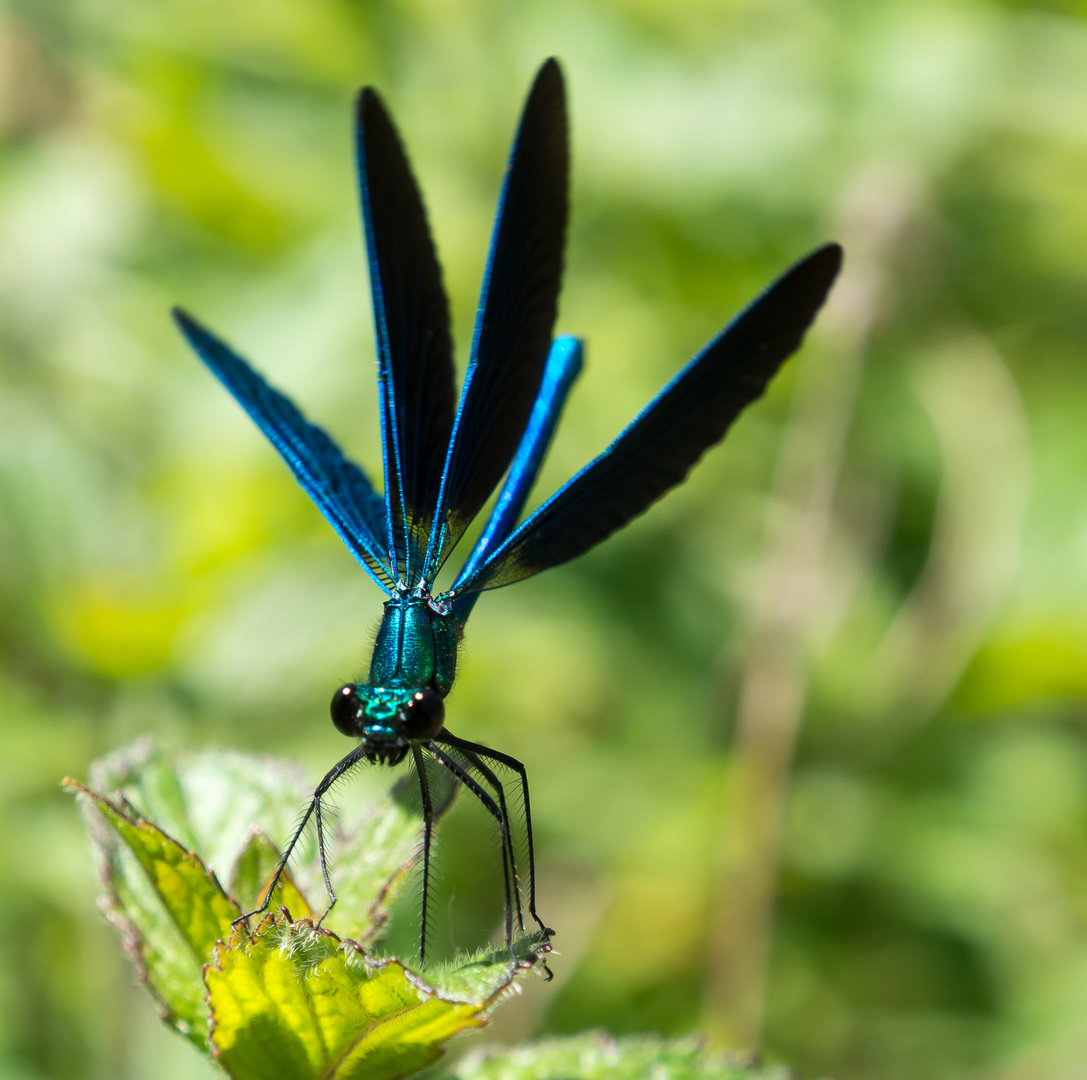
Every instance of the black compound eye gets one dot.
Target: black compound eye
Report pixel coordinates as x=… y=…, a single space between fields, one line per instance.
x=345 y=710
x=424 y=715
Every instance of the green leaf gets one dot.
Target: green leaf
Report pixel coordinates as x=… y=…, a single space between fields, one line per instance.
x=289 y=1000
x=169 y=906
x=209 y=802
x=597 y=1056
x=213 y=803
x=294 y=1002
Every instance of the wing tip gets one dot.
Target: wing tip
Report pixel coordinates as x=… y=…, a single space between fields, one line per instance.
x=371 y=116
x=549 y=85
x=207 y=345
x=192 y=330
x=550 y=70
x=828 y=259
x=366 y=99
x=808 y=282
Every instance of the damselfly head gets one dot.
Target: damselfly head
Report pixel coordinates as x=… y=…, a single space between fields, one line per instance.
x=387 y=718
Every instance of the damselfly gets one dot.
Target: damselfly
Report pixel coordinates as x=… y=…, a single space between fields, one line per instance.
x=444 y=457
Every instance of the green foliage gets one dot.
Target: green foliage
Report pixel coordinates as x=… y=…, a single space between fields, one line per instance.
x=290 y=999
x=597 y=1056
x=160 y=572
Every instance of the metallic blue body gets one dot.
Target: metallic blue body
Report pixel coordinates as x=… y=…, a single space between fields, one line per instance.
x=416 y=646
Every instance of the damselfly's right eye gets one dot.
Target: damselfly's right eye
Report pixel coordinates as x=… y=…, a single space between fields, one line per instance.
x=424 y=715
x=346 y=711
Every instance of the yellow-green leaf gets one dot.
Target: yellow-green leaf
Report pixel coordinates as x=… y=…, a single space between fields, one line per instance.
x=192 y=896
x=169 y=905
x=298 y=1003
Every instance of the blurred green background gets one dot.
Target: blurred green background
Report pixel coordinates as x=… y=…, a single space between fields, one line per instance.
x=808 y=743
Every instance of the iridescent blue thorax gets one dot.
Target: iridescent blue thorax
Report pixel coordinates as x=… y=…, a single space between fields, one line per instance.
x=416 y=645
x=411 y=670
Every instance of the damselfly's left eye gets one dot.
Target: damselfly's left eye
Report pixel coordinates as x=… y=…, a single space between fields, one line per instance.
x=424 y=715
x=345 y=710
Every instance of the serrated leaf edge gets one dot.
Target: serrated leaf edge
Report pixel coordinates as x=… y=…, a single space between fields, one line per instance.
x=109 y=904
x=354 y=952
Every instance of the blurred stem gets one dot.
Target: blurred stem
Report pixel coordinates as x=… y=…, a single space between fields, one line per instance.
x=978 y=417
x=792 y=586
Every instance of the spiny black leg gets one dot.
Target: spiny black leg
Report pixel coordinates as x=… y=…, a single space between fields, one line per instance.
x=428 y=833
x=319 y=821
x=522 y=772
x=487 y=773
x=331 y=777
x=281 y=866
x=489 y=805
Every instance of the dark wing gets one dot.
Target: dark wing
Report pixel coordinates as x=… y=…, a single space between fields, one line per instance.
x=563 y=367
x=516 y=314
x=414 y=349
x=657 y=450
x=338 y=486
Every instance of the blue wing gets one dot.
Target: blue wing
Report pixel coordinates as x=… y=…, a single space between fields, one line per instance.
x=339 y=487
x=563 y=367
x=411 y=317
x=658 y=449
x=516 y=314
